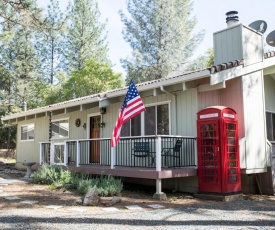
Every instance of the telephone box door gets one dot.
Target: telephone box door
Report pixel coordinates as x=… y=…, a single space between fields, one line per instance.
x=209 y=169
x=232 y=174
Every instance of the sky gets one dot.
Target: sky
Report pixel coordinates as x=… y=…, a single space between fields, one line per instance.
x=210 y=16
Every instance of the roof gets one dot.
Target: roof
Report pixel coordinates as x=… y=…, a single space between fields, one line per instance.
x=141 y=87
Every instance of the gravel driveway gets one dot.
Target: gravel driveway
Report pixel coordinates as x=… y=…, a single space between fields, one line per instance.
x=189 y=214
x=212 y=215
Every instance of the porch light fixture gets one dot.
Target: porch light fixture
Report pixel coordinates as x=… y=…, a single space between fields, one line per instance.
x=102 y=110
x=102 y=125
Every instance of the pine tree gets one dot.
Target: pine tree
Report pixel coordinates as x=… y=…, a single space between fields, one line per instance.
x=24 y=13
x=49 y=41
x=160 y=35
x=85 y=39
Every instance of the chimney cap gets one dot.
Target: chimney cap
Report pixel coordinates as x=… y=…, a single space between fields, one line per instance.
x=232 y=16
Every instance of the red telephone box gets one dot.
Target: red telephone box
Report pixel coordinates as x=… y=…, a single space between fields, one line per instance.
x=218 y=151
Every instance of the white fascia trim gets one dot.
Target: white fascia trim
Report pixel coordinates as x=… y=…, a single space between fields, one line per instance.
x=234 y=72
x=163 y=82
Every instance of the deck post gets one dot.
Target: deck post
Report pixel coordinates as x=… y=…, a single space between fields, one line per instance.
x=77 y=153
x=159 y=194
x=65 y=154
x=52 y=153
x=158 y=154
x=113 y=157
x=40 y=153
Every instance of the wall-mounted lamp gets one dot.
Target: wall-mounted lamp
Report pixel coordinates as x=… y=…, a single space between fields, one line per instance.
x=102 y=110
x=102 y=124
x=84 y=125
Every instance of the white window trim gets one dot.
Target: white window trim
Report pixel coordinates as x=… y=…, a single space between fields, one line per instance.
x=62 y=119
x=61 y=143
x=28 y=140
x=155 y=104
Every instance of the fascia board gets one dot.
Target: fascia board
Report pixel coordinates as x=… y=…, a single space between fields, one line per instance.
x=269 y=62
x=164 y=82
x=49 y=108
x=234 y=72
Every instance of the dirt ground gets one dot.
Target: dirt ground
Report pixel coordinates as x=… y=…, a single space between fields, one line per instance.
x=46 y=196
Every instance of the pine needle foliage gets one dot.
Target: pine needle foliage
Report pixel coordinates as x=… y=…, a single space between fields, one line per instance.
x=160 y=33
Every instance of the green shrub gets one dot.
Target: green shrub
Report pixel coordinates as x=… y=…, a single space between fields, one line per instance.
x=53 y=174
x=58 y=177
x=106 y=185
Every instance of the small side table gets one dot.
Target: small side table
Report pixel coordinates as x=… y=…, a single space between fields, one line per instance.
x=29 y=168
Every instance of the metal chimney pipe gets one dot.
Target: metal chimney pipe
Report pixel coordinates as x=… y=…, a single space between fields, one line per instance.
x=232 y=18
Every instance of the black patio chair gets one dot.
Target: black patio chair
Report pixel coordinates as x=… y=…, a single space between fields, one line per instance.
x=172 y=152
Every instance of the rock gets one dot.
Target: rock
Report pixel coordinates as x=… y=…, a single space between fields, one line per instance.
x=78 y=201
x=91 y=198
x=112 y=202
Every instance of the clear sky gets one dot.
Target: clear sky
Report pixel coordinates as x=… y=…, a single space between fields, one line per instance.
x=210 y=15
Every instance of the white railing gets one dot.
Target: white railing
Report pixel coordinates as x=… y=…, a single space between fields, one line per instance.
x=159 y=152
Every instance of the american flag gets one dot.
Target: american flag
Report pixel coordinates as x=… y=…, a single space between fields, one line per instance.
x=132 y=106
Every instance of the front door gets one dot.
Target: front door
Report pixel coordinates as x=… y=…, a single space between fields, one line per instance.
x=95 y=144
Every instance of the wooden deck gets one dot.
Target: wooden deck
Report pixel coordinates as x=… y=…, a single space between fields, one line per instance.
x=146 y=173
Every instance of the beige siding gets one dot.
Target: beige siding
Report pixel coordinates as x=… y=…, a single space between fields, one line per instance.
x=187 y=108
x=252 y=46
x=269 y=86
x=231 y=97
x=29 y=150
x=238 y=42
x=227 y=45
x=209 y=98
x=254 y=115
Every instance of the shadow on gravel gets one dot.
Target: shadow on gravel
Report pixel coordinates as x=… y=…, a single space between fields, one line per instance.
x=135 y=222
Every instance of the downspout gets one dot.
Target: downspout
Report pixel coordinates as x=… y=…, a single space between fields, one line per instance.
x=175 y=101
x=176 y=129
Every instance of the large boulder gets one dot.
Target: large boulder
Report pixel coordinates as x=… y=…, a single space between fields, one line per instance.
x=91 y=198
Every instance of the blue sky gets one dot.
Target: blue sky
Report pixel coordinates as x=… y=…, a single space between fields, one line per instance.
x=210 y=15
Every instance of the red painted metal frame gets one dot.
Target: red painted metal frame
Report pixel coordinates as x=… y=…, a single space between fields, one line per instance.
x=218 y=151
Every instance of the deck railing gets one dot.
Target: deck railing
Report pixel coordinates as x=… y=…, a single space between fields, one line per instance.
x=145 y=151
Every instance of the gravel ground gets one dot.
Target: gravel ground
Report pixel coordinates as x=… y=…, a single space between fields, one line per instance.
x=212 y=215
x=256 y=213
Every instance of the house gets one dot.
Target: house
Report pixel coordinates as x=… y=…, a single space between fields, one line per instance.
x=77 y=133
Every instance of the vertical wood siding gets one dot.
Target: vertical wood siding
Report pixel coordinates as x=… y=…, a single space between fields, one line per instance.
x=29 y=150
x=252 y=46
x=228 y=45
x=187 y=108
x=209 y=98
x=238 y=42
x=254 y=116
x=231 y=97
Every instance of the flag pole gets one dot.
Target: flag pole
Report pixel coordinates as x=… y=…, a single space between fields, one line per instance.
x=131 y=107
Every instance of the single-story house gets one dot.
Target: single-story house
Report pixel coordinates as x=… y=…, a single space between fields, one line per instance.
x=77 y=133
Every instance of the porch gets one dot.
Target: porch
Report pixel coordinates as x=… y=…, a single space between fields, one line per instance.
x=149 y=157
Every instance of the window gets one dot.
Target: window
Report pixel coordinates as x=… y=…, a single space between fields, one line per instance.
x=60 y=129
x=154 y=121
x=27 y=132
x=270 y=126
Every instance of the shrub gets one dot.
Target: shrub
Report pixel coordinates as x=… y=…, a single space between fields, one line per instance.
x=53 y=174
x=106 y=185
x=58 y=177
